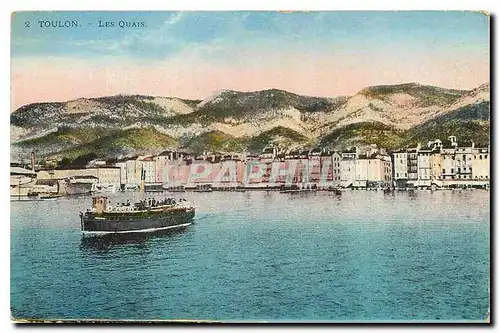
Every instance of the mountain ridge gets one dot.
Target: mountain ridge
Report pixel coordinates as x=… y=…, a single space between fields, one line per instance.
x=248 y=116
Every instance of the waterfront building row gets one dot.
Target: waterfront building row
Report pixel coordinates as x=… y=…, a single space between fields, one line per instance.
x=316 y=167
x=437 y=163
x=451 y=162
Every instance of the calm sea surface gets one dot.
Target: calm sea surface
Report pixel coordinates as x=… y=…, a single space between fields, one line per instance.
x=262 y=256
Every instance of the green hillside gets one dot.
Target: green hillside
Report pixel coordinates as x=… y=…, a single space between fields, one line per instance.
x=282 y=136
x=365 y=133
x=120 y=142
x=215 y=141
x=94 y=127
x=66 y=135
x=477 y=131
x=471 y=122
x=425 y=95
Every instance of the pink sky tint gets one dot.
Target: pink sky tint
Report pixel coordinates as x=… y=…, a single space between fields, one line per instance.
x=62 y=79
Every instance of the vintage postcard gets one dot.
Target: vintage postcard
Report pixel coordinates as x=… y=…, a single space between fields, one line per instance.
x=250 y=166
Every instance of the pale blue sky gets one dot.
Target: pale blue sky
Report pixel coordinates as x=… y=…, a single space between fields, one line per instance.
x=168 y=33
x=193 y=54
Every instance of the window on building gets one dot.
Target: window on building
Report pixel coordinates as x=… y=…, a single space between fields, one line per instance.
x=444 y=170
x=485 y=157
x=458 y=170
x=480 y=157
x=452 y=170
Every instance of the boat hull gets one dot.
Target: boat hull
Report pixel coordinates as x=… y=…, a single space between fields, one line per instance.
x=150 y=223
x=75 y=188
x=21 y=186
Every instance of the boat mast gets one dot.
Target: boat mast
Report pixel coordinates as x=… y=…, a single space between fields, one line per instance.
x=143 y=177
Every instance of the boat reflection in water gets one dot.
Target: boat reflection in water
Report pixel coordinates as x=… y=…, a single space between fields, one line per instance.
x=105 y=242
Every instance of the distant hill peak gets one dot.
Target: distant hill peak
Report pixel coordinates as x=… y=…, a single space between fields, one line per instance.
x=405 y=87
x=483 y=87
x=216 y=96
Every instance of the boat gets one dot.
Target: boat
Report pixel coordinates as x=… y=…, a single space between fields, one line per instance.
x=296 y=189
x=174 y=187
x=203 y=188
x=153 y=188
x=144 y=216
x=335 y=190
x=103 y=187
x=131 y=187
x=388 y=190
x=77 y=185
x=49 y=196
x=43 y=196
x=21 y=182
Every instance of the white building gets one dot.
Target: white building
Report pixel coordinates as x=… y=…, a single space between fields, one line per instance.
x=400 y=163
x=148 y=166
x=133 y=176
x=463 y=159
x=480 y=163
x=424 y=165
x=105 y=175
x=348 y=167
x=373 y=169
x=167 y=163
x=336 y=168
x=123 y=171
x=412 y=158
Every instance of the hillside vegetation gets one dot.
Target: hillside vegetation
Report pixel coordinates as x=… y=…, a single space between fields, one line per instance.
x=388 y=116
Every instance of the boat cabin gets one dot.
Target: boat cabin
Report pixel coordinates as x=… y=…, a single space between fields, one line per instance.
x=99 y=204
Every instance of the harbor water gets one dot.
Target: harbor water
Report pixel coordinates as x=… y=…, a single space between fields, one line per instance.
x=266 y=256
